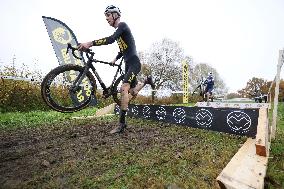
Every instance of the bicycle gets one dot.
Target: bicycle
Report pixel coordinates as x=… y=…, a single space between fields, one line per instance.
x=201 y=91
x=71 y=87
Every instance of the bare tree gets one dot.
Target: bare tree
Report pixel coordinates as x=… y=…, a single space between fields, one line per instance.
x=163 y=62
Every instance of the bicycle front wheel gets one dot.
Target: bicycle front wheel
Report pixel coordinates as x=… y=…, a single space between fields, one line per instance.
x=60 y=93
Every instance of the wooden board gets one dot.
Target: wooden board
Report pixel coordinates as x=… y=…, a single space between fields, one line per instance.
x=246 y=169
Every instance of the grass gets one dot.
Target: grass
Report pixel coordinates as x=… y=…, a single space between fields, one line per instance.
x=275 y=171
x=14 y=120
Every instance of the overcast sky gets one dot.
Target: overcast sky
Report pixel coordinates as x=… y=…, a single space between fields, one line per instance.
x=239 y=38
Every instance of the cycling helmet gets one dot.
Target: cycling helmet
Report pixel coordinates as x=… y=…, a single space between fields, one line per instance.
x=112 y=9
x=210 y=73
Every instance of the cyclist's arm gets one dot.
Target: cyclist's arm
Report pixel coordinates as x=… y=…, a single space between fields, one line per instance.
x=112 y=38
x=119 y=55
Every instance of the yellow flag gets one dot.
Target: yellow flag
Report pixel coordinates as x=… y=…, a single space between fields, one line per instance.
x=185 y=81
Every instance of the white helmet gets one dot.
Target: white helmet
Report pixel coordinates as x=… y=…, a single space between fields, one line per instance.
x=112 y=9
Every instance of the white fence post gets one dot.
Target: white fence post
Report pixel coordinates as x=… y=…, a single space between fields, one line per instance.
x=277 y=80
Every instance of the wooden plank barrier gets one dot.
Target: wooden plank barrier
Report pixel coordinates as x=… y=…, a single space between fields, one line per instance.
x=241 y=105
x=246 y=170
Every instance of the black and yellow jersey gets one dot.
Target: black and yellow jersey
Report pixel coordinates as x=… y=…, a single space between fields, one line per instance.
x=124 y=39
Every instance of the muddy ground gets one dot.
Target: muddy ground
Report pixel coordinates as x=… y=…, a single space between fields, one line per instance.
x=80 y=153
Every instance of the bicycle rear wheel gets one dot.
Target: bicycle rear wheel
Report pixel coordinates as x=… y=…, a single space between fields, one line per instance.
x=116 y=91
x=58 y=92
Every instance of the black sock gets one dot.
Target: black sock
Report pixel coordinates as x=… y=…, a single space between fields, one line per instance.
x=122 y=116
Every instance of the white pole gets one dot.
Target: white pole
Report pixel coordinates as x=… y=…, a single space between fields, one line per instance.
x=270 y=88
x=277 y=80
x=19 y=78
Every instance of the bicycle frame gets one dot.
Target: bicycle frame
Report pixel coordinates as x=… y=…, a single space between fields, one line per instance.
x=106 y=91
x=88 y=65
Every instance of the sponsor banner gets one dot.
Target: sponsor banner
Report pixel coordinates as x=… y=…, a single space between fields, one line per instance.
x=228 y=120
x=60 y=35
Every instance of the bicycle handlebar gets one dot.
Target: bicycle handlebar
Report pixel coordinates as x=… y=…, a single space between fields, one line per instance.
x=89 y=55
x=88 y=52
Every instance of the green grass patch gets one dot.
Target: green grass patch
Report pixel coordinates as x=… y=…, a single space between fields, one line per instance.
x=275 y=171
x=13 y=120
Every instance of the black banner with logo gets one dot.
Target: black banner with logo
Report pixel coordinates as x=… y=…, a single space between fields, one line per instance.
x=229 y=120
x=60 y=35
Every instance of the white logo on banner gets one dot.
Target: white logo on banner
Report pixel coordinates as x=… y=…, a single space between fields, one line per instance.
x=239 y=121
x=146 y=112
x=117 y=110
x=135 y=110
x=179 y=115
x=204 y=118
x=161 y=113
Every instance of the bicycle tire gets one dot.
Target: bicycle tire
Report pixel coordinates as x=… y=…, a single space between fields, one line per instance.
x=116 y=93
x=56 y=92
x=116 y=90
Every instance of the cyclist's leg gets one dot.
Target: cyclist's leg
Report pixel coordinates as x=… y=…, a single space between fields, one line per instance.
x=209 y=93
x=124 y=96
x=139 y=86
x=123 y=109
x=135 y=86
x=134 y=69
x=129 y=78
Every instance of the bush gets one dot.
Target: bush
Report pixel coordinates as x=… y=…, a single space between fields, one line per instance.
x=20 y=96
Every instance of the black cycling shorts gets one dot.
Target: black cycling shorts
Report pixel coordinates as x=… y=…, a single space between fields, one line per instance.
x=132 y=69
x=209 y=89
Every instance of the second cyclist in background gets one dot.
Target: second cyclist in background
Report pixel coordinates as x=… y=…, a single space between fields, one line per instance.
x=209 y=82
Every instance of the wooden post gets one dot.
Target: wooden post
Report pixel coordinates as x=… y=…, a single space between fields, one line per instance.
x=261 y=141
x=277 y=80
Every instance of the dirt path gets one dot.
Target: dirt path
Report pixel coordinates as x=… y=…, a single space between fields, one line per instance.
x=47 y=156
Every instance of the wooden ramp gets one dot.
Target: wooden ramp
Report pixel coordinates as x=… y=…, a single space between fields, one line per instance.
x=106 y=111
x=247 y=169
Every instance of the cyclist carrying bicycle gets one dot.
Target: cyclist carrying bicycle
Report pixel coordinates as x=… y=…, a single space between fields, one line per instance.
x=126 y=43
x=209 y=82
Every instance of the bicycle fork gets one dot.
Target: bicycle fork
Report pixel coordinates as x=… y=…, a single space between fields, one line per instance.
x=79 y=80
